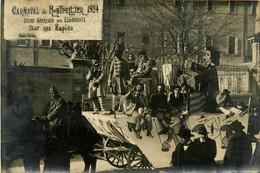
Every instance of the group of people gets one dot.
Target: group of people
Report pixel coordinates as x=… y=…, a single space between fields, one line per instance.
x=201 y=152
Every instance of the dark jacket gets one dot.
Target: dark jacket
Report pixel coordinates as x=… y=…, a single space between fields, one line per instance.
x=239 y=150
x=58 y=118
x=158 y=102
x=206 y=151
x=188 y=158
x=176 y=102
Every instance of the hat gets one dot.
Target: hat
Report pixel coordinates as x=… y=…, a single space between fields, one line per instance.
x=225 y=91
x=184 y=133
x=53 y=88
x=203 y=130
x=237 y=126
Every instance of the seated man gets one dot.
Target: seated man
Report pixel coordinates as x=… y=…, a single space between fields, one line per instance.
x=223 y=99
x=176 y=100
x=144 y=68
x=138 y=105
x=159 y=105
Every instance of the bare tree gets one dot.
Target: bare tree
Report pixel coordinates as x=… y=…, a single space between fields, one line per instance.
x=182 y=25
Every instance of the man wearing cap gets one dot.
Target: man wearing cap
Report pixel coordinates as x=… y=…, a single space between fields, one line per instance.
x=97 y=87
x=57 y=159
x=185 y=154
x=239 y=150
x=223 y=99
x=207 y=148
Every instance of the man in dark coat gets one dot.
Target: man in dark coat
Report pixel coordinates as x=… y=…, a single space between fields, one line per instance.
x=176 y=100
x=57 y=158
x=158 y=104
x=239 y=150
x=207 y=148
x=185 y=154
x=207 y=78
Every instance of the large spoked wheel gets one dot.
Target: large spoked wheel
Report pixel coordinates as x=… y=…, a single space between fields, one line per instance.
x=137 y=160
x=116 y=153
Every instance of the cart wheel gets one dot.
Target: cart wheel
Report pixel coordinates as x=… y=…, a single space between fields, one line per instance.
x=116 y=158
x=137 y=160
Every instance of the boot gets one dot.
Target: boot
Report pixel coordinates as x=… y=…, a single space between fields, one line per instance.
x=130 y=126
x=138 y=135
x=149 y=134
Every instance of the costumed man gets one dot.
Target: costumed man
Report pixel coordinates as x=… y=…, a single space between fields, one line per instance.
x=185 y=154
x=159 y=105
x=207 y=79
x=138 y=109
x=223 y=99
x=118 y=75
x=144 y=68
x=97 y=86
x=207 y=149
x=239 y=150
x=58 y=124
x=131 y=63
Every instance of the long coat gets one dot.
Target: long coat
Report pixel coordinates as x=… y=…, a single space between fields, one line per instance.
x=97 y=87
x=118 y=74
x=181 y=158
x=239 y=150
x=206 y=151
x=58 y=118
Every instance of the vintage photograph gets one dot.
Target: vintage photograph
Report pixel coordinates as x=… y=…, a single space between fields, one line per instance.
x=130 y=86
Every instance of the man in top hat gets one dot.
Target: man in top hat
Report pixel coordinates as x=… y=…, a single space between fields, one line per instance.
x=239 y=150
x=223 y=99
x=185 y=154
x=207 y=148
x=97 y=86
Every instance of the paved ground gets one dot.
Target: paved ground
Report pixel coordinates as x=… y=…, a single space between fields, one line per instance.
x=76 y=165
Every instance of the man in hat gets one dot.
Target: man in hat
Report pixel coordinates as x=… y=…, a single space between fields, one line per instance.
x=144 y=67
x=57 y=158
x=223 y=99
x=185 y=154
x=239 y=150
x=97 y=86
x=207 y=148
x=118 y=74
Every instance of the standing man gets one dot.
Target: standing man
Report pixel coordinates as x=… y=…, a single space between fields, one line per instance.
x=176 y=100
x=118 y=75
x=185 y=154
x=58 y=123
x=97 y=87
x=239 y=150
x=137 y=108
x=207 y=148
x=207 y=78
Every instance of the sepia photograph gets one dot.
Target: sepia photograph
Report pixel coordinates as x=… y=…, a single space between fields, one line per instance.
x=130 y=86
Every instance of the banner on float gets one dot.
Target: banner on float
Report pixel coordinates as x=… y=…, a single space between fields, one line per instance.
x=53 y=19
